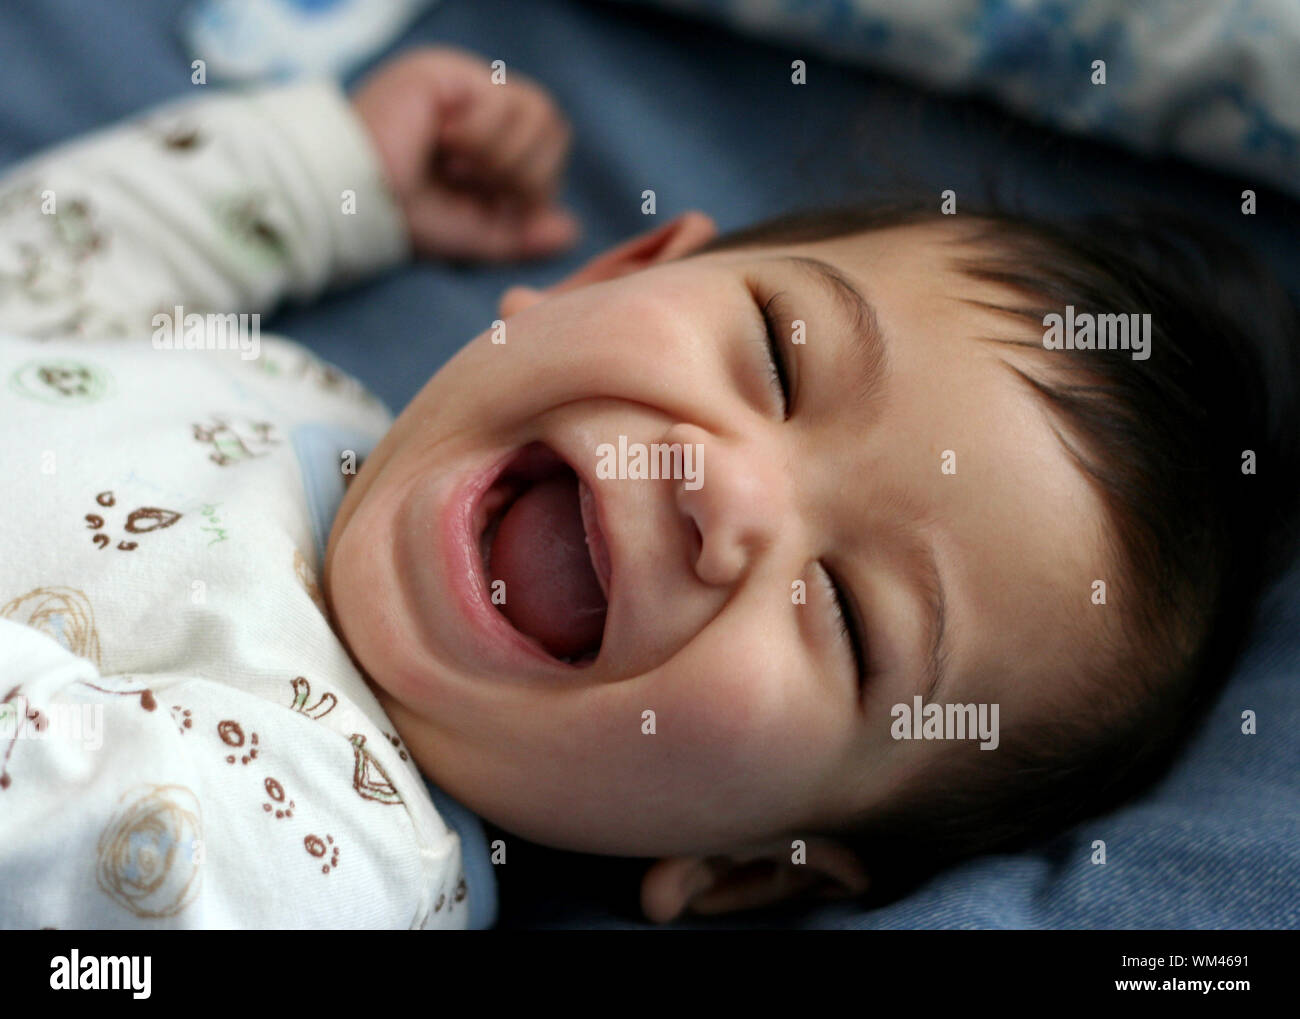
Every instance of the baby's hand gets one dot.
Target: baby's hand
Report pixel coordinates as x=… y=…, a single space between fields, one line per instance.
x=475 y=165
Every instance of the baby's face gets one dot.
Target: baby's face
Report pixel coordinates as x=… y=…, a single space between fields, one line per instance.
x=725 y=707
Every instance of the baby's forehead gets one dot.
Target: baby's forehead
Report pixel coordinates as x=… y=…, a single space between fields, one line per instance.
x=933 y=254
x=934 y=260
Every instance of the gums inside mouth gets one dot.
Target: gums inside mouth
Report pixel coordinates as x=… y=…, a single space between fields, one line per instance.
x=543 y=556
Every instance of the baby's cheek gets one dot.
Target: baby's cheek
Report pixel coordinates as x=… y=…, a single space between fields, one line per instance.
x=744 y=721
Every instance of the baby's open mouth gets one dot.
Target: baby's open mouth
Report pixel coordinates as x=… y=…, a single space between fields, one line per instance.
x=544 y=556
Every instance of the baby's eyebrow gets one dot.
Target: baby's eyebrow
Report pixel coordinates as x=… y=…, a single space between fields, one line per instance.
x=868 y=356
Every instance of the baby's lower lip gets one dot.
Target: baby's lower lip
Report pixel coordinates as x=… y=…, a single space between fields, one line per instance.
x=438 y=557
x=469 y=521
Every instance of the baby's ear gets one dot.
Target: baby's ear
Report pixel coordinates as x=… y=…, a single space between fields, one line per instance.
x=820 y=869
x=678 y=237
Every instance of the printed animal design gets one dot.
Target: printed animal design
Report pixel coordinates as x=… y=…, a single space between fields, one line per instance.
x=243 y=217
x=138 y=521
x=146 y=861
x=181 y=716
x=275 y=792
x=60 y=381
x=63 y=613
x=232 y=735
x=458 y=895
x=318 y=848
x=44 y=254
x=182 y=139
x=67 y=381
x=368 y=777
x=302 y=694
x=176 y=136
x=231 y=443
x=397 y=745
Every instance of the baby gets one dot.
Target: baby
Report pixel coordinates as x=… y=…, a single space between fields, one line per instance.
x=804 y=560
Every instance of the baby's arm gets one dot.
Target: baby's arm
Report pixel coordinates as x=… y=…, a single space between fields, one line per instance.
x=227 y=202
x=234 y=202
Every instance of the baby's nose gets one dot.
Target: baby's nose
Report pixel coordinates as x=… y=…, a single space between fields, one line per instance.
x=732 y=498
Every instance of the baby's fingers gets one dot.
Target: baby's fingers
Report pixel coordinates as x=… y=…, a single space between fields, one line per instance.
x=468 y=139
x=495 y=143
x=539 y=172
x=447 y=224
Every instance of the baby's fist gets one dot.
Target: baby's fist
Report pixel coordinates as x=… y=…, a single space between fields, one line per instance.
x=474 y=164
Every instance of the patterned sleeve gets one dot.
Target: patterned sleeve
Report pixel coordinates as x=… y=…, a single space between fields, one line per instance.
x=225 y=204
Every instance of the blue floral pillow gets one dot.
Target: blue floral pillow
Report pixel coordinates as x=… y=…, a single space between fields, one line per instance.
x=1214 y=81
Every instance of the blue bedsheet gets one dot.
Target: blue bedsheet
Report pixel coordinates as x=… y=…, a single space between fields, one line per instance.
x=710 y=121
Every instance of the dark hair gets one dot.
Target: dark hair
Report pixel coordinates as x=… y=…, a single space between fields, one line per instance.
x=1196 y=539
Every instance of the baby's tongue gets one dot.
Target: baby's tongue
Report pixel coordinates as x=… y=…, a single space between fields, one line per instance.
x=540 y=551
